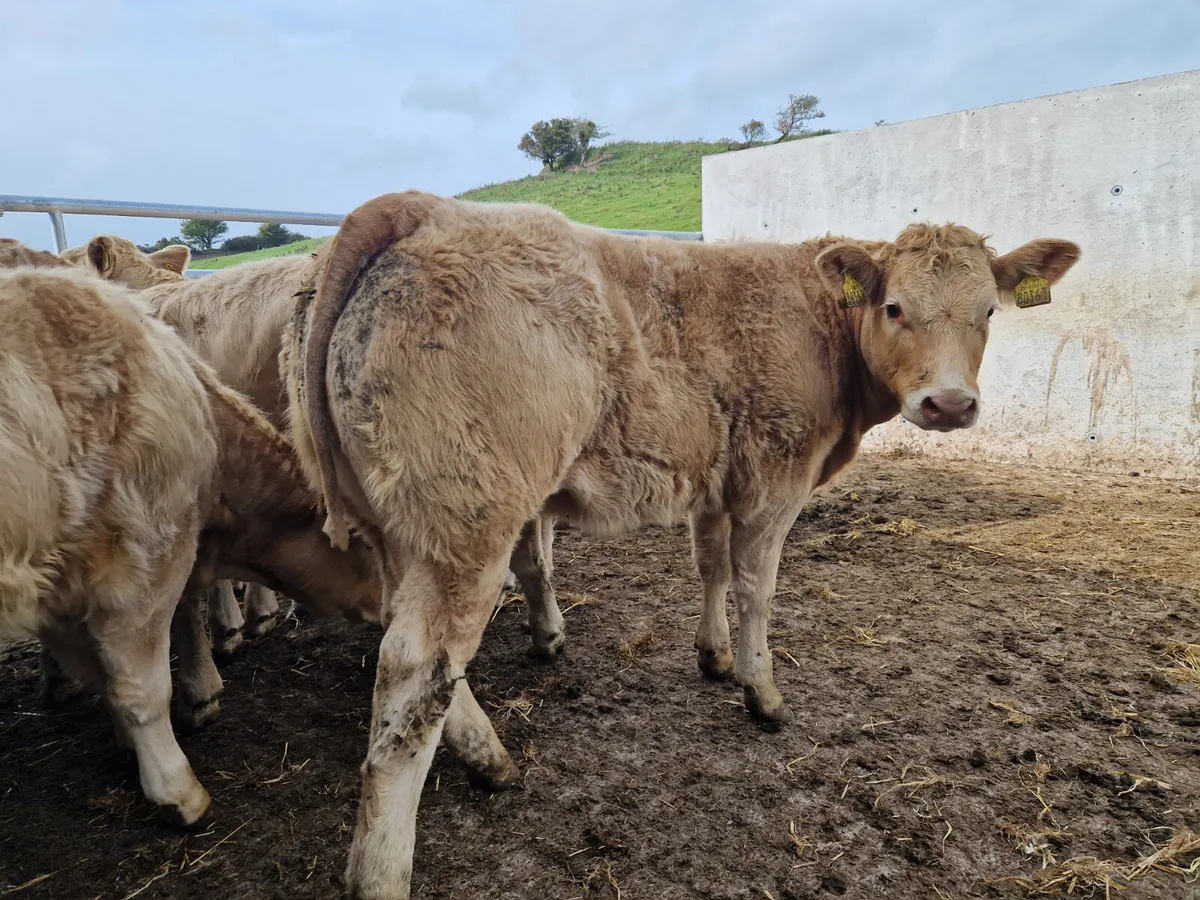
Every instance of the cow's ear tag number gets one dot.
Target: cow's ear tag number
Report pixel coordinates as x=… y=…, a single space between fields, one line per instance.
x=852 y=293
x=1032 y=290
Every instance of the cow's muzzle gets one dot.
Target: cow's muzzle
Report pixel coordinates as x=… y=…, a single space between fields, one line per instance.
x=945 y=410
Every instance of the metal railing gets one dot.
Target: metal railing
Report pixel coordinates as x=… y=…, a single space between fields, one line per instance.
x=57 y=207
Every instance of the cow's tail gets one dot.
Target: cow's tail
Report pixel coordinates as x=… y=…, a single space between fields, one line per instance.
x=362 y=236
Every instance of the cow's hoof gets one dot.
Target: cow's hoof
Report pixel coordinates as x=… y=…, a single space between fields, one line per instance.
x=549 y=647
x=229 y=643
x=767 y=706
x=494 y=781
x=195 y=716
x=58 y=692
x=196 y=813
x=262 y=626
x=716 y=663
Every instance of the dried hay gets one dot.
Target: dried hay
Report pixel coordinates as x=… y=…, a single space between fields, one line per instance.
x=1033 y=841
x=640 y=645
x=520 y=705
x=913 y=786
x=1186 y=659
x=1179 y=856
x=800 y=843
x=574 y=600
x=1015 y=716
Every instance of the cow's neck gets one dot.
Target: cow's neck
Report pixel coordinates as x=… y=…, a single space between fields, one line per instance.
x=157 y=294
x=258 y=480
x=863 y=401
x=263 y=520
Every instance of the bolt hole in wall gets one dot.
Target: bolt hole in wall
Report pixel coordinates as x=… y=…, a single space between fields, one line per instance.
x=1116 y=190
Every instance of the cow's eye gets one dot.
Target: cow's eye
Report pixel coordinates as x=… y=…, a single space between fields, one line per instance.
x=893 y=310
x=990 y=311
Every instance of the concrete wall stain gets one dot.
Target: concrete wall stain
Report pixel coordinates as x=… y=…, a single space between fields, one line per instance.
x=1108 y=361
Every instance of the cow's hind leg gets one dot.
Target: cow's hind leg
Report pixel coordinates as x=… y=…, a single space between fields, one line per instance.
x=197 y=702
x=533 y=564
x=56 y=687
x=134 y=657
x=437 y=618
x=710 y=547
x=225 y=619
x=471 y=737
x=262 y=610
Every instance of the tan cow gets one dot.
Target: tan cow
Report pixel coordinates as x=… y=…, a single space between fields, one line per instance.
x=235 y=318
x=132 y=474
x=118 y=259
x=466 y=366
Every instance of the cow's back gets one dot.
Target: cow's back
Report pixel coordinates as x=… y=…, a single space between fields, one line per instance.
x=107 y=442
x=234 y=319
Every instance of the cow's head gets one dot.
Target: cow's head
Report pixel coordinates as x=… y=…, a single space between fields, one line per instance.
x=13 y=254
x=116 y=259
x=927 y=298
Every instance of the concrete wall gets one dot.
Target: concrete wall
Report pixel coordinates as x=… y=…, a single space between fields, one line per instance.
x=1108 y=375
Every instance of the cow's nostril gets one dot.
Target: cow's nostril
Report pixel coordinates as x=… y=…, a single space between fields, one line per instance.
x=927 y=405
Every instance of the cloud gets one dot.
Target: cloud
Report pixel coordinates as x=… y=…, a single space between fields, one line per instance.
x=305 y=104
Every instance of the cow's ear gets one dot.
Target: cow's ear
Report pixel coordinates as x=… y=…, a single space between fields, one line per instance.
x=1048 y=258
x=101 y=253
x=173 y=258
x=850 y=274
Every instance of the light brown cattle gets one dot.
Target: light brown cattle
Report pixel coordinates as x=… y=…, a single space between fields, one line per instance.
x=229 y=325
x=235 y=318
x=467 y=366
x=131 y=473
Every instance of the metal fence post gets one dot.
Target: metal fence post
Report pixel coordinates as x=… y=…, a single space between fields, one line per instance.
x=60 y=231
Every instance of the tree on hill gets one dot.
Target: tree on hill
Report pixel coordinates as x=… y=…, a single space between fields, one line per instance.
x=587 y=131
x=201 y=234
x=793 y=118
x=754 y=130
x=561 y=140
x=551 y=142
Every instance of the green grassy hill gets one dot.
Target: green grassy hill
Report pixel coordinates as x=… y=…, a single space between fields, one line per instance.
x=626 y=184
x=233 y=259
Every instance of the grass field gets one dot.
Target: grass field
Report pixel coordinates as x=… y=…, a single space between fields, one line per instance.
x=626 y=184
x=630 y=185
x=234 y=259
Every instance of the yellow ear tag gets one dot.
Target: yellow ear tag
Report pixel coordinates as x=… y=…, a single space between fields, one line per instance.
x=1032 y=290
x=852 y=293
x=170 y=267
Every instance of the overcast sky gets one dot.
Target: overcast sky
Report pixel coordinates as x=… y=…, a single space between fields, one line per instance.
x=316 y=105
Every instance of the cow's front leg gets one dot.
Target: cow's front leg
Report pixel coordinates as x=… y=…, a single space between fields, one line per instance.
x=262 y=610
x=755 y=548
x=225 y=619
x=533 y=564
x=710 y=548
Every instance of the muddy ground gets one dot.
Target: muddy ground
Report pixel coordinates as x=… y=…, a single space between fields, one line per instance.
x=985 y=663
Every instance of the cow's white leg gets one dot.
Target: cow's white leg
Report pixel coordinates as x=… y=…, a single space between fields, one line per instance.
x=470 y=736
x=197 y=703
x=262 y=610
x=755 y=548
x=56 y=686
x=710 y=548
x=437 y=618
x=532 y=562
x=225 y=619
x=135 y=659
